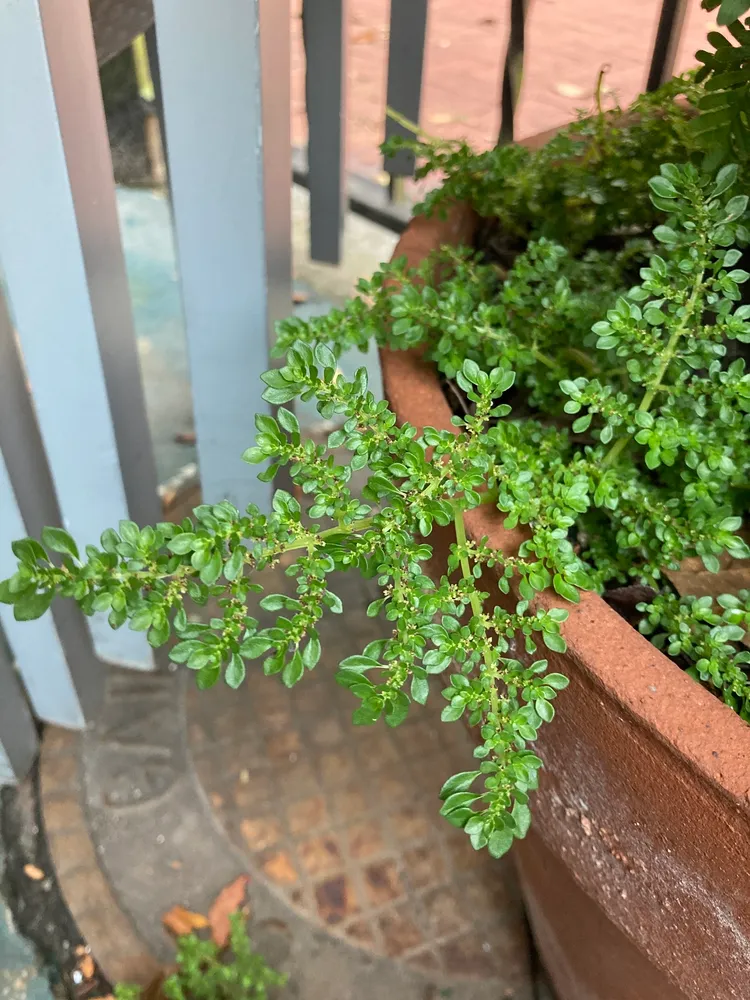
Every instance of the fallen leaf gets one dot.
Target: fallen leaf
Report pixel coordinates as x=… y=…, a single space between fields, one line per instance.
x=81 y=949
x=179 y=921
x=86 y=967
x=299 y=298
x=229 y=901
x=185 y=437
x=34 y=873
x=176 y=865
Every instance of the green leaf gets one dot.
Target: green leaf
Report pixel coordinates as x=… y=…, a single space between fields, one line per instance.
x=311 y=652
x=235 y=672
x=28 y=551
x=500 y=842
x=7 y=596
x=60 y=541
x=662 y=187
x=184 y=650
x=731 y=10
x=522 y=818
x=212 y=570
x=293 y=670
x=554 y=641
x=397 y=709
x=255 y=646
x=233 y=565
x=458 y=783
x=451 y=713
x=359 y=663
x=557 y=681
x=736 y=207
x=420 y=689
x=565 y=589
x=31 y=605
x=181 y=544
x=544 y=710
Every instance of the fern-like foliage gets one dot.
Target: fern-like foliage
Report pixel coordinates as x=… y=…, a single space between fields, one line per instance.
x=723 y=126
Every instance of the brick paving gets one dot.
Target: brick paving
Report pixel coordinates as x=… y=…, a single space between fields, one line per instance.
x=567 y=42
x=344 y=822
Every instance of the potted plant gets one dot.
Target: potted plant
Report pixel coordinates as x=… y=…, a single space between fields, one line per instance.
x=562 y=334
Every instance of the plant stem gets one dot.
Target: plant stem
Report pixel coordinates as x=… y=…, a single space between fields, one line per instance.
x=474 y=600
x=666 y=360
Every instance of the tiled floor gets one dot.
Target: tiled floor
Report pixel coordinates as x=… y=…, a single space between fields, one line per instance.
x=343 y=821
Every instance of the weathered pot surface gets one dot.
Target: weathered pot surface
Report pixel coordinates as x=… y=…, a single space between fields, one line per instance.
x=636 y=872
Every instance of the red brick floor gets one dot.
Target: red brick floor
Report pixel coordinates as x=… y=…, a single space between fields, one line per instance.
x=567 y=43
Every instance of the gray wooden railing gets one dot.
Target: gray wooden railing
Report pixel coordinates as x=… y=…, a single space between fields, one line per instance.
x=75 y=448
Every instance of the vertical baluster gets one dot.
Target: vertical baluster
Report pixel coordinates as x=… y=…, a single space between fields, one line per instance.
x=406 y=47
x=512 y=70
x=210 y=72
x=18 y=739
x=324 y=33
x=667 y=39
x=62 y=263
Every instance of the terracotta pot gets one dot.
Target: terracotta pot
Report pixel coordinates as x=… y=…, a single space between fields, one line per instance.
x=636 y=873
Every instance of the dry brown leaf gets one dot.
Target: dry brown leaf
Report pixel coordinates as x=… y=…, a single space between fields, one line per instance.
x=179 y=921
x=34 y=873
x=81 y=949
x=86 y=967
x=299 y=298
x=229 y=901
x=176 y=865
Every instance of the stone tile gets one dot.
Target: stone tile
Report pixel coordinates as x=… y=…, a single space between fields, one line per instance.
x=382 y=882
x=336 y=769
x=443 y=912
x=257 y=790
x=327 y=733
x=400 y=932
x=392 y=787
x=293 y=780
x=425 y=866
x=260 y=833
x=465 y=957
x=282 y=745
x=276 y=719
x=365 y=840
x=410 y=824
x=279 y=868
x=350 y=804
x=335 y=900
x=61 y=774
x=307 y=815
x=320 y=855
x=360 y=932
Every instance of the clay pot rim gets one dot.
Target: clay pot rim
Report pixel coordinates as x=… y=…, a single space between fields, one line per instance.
x=648 y=687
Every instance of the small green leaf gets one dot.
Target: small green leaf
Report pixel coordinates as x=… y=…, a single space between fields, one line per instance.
x=32 y=605
x=458 y=783
x=235 y=672
x=500 y=842
x=233 y=565
x=293 y=670
x=60 y=541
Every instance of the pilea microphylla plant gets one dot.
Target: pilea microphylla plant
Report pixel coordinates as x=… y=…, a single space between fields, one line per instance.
x=594 y=341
